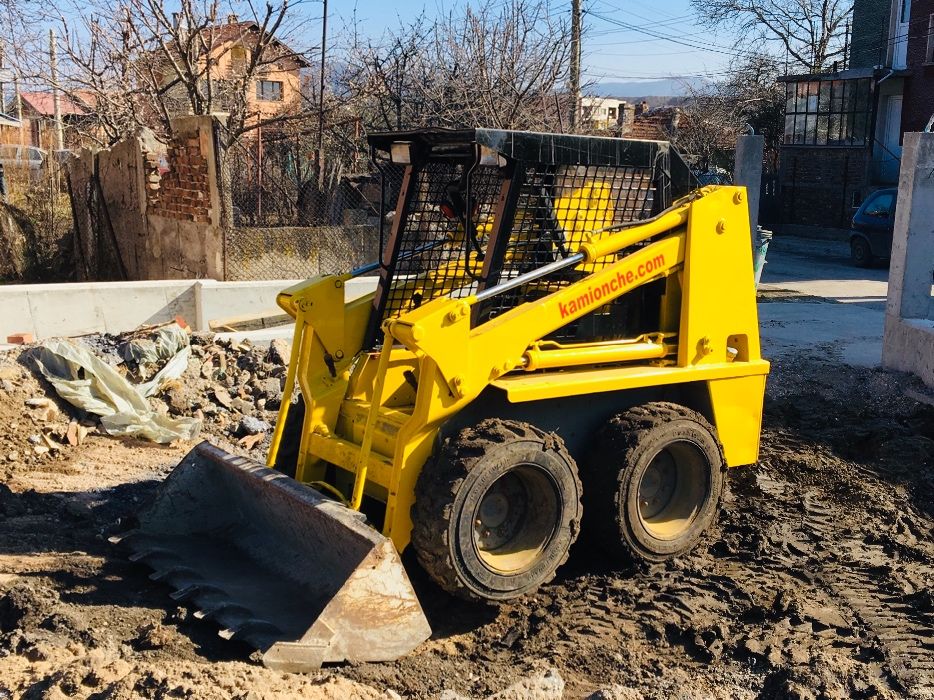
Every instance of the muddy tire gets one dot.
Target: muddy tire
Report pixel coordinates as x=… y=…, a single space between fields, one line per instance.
x=655 y=483
x=496 y=510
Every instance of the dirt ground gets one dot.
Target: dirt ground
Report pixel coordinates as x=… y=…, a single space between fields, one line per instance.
x=817 y=583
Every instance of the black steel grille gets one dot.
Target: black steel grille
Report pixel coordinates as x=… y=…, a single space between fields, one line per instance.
x=548 y=192
x=558 y=206
x=438 y=235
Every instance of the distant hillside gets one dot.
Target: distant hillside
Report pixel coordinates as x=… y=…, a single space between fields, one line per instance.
x=661 y=89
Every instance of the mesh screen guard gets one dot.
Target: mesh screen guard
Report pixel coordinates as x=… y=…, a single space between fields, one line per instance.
x=481 y=207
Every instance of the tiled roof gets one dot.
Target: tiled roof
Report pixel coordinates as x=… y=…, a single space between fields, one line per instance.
x=232 y=31
x=657 y=124
x=43 y=103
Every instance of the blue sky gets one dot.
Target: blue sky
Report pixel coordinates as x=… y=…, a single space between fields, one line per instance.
x=625 y=40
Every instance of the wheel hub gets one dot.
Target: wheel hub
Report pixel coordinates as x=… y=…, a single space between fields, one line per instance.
x=658 y=485
x=672 y=491
x=494 y=510
x=515 y=519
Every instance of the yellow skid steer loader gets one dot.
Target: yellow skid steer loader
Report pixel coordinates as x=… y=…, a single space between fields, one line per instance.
x=562 y=333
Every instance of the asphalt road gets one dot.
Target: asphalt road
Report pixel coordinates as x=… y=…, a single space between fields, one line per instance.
x=823 y=269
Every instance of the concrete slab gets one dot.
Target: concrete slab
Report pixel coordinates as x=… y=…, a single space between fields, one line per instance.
x=261 y=337
x=49 y=310
x=823 y=269
x=850 y=333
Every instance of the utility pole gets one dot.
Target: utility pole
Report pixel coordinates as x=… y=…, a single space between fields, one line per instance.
x=324 y=40
x=56 y=99
x=18 y=107
x=846 y=46
x=575 y=85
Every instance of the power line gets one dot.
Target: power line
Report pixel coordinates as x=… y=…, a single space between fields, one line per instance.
x=710 y=48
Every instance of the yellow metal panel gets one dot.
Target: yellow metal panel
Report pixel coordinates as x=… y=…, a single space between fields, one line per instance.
x=469 y=359
x=343 y=453
x=737 y=409
x=719 y=299
x=549 y=385
x=352 y=421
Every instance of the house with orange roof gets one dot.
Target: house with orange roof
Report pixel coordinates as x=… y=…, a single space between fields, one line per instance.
x=275 y=87
x=38 y=119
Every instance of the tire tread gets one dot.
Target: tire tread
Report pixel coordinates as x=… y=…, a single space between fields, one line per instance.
x=440 y=481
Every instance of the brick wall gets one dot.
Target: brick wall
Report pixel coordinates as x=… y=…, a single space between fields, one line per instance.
x=183 y=193
x=818 y=185
x=870 y=33
x=147 y=225
x=918 y=103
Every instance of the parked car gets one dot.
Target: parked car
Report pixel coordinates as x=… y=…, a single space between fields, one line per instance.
x=13 y=156
x=872 y=227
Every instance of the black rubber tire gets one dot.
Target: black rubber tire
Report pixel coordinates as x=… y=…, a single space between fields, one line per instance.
x=861 y=252
x=447 y=510
x=625 y=449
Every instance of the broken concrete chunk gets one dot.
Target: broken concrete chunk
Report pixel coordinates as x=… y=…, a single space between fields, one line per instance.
x=222 y=396
x=71 y=435
x=279 y=351
x=251 y=441
x=43 y=409
x=252 y=426
x=207 y=368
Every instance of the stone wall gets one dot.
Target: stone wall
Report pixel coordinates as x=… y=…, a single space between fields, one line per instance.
x=184 y=203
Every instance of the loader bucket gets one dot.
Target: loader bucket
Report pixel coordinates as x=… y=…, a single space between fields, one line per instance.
x=300 y=577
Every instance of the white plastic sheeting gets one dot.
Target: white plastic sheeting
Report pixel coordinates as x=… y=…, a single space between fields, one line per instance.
x=85 y=381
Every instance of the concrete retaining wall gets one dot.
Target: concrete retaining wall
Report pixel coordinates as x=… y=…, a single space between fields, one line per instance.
x=49 y=310
x=908 y=345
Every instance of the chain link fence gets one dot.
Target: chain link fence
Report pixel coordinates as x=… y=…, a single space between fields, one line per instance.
x=291 y=219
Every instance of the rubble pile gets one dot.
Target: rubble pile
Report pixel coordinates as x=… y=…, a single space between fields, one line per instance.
x=232 y=389
x=42 y=425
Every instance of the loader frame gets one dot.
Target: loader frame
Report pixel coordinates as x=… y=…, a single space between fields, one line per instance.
x=380 y=377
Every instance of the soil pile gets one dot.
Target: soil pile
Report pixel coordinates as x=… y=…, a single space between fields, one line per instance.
x=816 y=583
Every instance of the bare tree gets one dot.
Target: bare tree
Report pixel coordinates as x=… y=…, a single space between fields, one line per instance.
x=714 y=115
x=501 y=65
x=810 y=31
x=151 y=60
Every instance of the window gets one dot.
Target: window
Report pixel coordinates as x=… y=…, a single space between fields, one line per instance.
x=827 y=112
x=269 y=90
x=880 y=205
x=237 y=58
x=929 y=54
